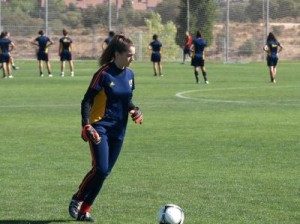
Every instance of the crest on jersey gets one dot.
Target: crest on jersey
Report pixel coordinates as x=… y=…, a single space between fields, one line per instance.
x=130 y=83
x=112 y=84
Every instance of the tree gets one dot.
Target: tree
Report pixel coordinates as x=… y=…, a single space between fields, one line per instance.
x=168 y=9
x=166 y=33
x=202 y=15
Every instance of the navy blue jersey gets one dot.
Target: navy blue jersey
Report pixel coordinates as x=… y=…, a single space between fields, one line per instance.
x=66 y=43
x=108 y=40
x=42 y=41
x=199 y=45
x=273 y=48
x=4 y=50
x=108 y=98
x=156 y=46
x=4 y=45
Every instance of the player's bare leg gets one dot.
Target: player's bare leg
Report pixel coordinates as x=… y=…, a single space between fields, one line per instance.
x=71 y=67
x=272 y=73
x=154 y=69
x=49 y=68
x=62 y=68
x=4 y=68
x=159 y=65
x=41 y=68
x=204 y=74
x=8 y=67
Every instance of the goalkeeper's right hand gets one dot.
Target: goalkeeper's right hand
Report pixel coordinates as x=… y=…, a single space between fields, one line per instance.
x=88 y=133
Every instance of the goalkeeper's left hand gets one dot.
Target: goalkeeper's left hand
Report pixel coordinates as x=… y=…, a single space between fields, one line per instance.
x=136 y=115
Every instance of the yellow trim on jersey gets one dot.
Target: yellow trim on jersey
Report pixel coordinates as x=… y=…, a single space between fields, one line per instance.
x=98 y=108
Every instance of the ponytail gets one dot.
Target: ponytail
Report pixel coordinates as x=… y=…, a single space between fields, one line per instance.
x=119 y=44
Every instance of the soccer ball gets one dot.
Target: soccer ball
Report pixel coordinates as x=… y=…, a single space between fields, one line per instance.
x=170 y=214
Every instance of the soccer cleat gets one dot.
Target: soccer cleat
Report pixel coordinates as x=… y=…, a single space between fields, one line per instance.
x=74 y=207
x=85 y=217
x=41 y=75
x=206 y=82
x=50 y=75
x=15 y=67
x=10 y=76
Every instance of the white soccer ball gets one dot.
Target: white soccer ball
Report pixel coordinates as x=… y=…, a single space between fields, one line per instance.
x=170 y=214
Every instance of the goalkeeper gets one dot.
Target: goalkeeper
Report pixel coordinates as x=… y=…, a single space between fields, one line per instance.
x=105 y=109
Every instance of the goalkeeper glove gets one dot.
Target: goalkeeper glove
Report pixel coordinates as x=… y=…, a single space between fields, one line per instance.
x=88 y=133
x=136 y=115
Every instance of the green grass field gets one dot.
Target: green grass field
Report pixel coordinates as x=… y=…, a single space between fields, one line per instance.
x=227 y=152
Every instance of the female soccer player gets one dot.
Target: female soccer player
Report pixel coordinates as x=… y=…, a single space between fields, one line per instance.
x=43 y=42
x=272 y=47
x=198 y=56
x=6 y=46
x=156 y=47
x=107 y=40
x=65 y=53
x=104 y=110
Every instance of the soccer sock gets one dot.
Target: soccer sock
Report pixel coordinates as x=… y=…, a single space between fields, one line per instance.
x=72 y=73
x=204 y=76
x=85 y=208
x=197 y=76
x=62 y=73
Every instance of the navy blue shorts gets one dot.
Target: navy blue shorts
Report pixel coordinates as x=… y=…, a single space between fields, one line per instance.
x=272 y=61
x=197 y=61
x=4 y=58
x=155 y=57
x=66 y=56
x=187 y=51
x=42 y=56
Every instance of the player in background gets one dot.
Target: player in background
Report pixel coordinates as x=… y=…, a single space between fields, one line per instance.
x=156 y=47
x=43 y=42
x=65 y=53
x=272 y=47
x=107 y=40
x=187 y=46
x=11 y=59
x=104 y=110
x=198 y=56
x=6 y=46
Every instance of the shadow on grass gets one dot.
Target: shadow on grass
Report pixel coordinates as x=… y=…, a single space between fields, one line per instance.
x=32 y=221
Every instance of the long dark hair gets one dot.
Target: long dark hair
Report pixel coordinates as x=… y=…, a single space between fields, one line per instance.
x=271 y=37
x=119 y=44
x=198 y=34
x=155 y=37
x=3 y=34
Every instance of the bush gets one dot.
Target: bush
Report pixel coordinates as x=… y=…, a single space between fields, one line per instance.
x=247 y=48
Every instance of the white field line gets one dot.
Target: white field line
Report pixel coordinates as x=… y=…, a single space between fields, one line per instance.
x=182 y=95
